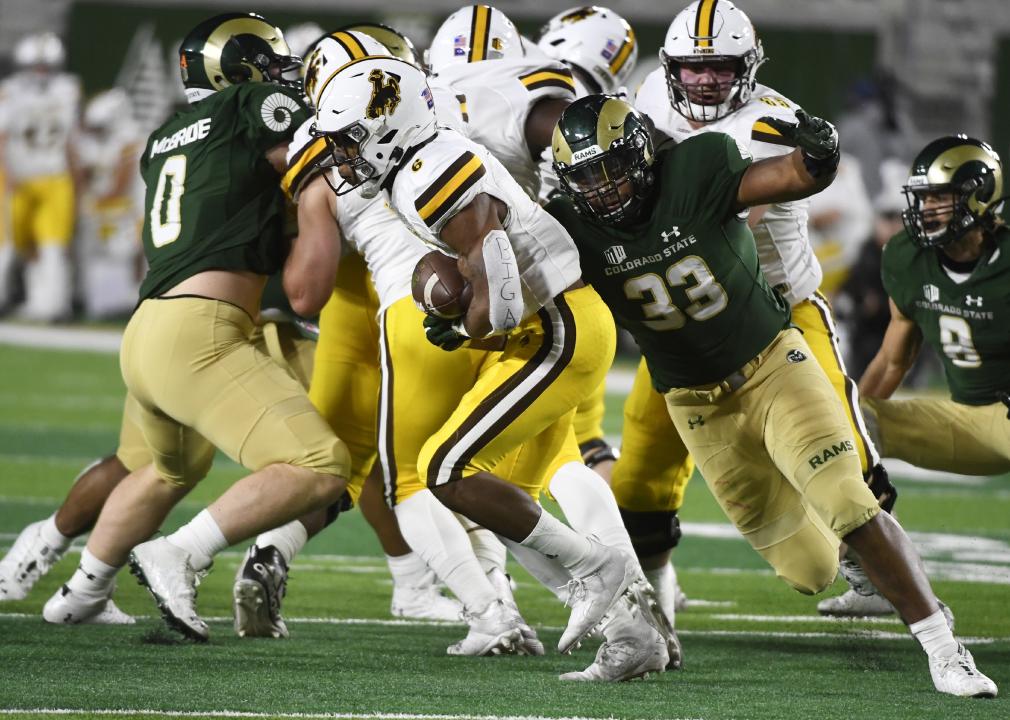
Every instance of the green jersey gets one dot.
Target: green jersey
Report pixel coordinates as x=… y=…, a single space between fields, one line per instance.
x=967 y=323
x=685 y=282
x=213 y=201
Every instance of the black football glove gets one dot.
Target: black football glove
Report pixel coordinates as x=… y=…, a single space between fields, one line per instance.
x=442 y=333
x=817 y=138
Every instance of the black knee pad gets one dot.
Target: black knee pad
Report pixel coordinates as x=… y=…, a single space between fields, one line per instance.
x=343 y=504
x=881 y=486
x=652 y=532
x=596 y=451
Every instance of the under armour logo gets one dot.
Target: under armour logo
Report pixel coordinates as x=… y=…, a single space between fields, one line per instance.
x=971 y=300
x=694 y=422
x=795 y=356
x=672 y=232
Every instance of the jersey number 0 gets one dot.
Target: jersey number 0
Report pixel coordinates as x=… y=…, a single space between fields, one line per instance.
x=166 y=213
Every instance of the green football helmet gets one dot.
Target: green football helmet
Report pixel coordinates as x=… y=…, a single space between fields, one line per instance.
x=235 y=48
x=966 y=169
x=603 y=156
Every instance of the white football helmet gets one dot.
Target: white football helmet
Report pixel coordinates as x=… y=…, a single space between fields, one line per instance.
x=472 y=34
x=43 y=49
x=398 y=44
x=709 y=31
x=301 y=38
x=107 y=109
x=379 y=105
x=595 y=40
x=331 y=53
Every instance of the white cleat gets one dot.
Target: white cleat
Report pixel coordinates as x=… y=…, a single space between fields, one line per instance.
x=957 y=675
x=647 y=601
x=852 y=604
x=164 y=569
x=592 y=595
x=424 y=602
x=65 y=608
x=260 y=585
x=633 y=647
x=496 y=631
x=27 y=561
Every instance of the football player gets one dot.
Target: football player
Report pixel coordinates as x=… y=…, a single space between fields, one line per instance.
x=377 y=116
x=707 y=83
x=660 y=236
x=408 y=363
x=112 y=204
x=947 y=277
x=39 y=105
x=649 y=477
x=211 y=236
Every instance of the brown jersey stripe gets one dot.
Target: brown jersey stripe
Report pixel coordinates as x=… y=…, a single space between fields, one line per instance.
x=548 y=77
x=502 y=392
x=772 y=138
x=387 y=454
x=302 y=167
x=449 y=187
x=461 y=99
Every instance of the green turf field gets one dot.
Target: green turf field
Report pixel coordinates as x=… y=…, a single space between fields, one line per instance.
x=753 y=648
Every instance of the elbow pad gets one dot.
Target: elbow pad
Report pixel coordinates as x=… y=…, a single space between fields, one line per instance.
x=504 y=289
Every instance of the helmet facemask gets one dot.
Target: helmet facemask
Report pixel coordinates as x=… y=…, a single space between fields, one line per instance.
x=344 y=149
x=939 y=223
x=709 y=102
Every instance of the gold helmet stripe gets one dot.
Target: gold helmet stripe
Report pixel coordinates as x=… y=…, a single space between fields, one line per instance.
x=351 y=45
x=480 y=29
x=352 y=62
x=610 y=123
x=704 y=22
x=624 y=52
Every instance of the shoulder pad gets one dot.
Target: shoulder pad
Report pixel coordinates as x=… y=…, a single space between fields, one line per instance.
x=439 y=180
x=304 y=155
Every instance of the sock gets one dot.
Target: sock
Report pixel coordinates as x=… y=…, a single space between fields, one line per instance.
x=490 y=552
x=433 y=532
x=934 y=635
x=589 y=504
x=408 y=570
x=553 y=538
x=53 y=537
x=549 y=573
x=93 y=578
x=663 y=581
x=201 y=538
x=288 y=539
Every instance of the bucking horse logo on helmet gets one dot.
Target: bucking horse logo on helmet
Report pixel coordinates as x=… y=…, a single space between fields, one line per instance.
x=385 y=93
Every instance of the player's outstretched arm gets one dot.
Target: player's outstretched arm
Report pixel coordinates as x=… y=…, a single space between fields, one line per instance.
x=807 y=170
x=488 y=262
x=897 y=354
x=311 y=266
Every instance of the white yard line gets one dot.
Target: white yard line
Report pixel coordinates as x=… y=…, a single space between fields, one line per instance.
x=306 y=716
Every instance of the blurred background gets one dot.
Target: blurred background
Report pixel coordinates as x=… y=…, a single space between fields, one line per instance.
x=891 y=74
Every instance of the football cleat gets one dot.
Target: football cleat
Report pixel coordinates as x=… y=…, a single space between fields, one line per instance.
x=852 y=604
x=632 y=648
x=957 y=675
x=27 y=561
x=260 y=585
x=498 y=630
x=164 y=569
x=856 y=577
x=66 y=608
x=592 y=595
x=649 y=603
x=424 y=602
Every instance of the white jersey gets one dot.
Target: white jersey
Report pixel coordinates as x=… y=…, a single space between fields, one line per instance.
x=784 y=250
x=446 y=174
x=495 y=98
x=369 y=226
x=38 y=113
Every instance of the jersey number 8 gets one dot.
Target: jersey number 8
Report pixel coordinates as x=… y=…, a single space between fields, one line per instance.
x=708 y=295
x=166 y=226
x=955 y=335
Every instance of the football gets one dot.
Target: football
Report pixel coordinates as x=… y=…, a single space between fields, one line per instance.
x=439 y=288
